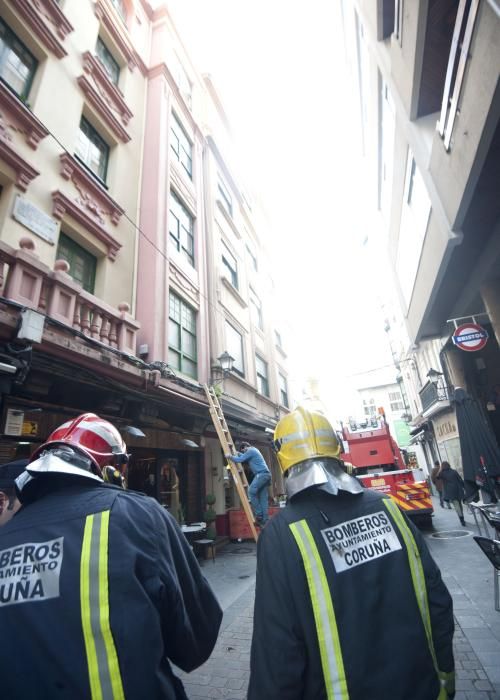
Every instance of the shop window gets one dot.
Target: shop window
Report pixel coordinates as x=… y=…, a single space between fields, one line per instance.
x=82 y=265
x=262 y=376
x=92 y=150
x=182 y=347
x=181 y=146
x=109 y=64
x=234 y=344
x=180 y=228
x=17 y=65
x=230 y=266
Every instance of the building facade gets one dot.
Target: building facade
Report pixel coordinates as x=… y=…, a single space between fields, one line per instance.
x=429 y=96
x=110 y=247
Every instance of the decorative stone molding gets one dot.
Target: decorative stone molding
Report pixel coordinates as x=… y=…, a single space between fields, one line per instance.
x=24 y=172
x=63 y=206
x=46 y=21
x=184 y=188
x=122 y=42
x=108 y=90
x=185 y=285
x=95 y=98
x=25 y=120
x=92 y=195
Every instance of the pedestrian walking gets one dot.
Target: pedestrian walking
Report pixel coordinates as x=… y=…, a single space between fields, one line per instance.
x=438 y=483
x=349 y=603
x=453 y=489
x=9 y=503
x=99 y=589
x=258 y=489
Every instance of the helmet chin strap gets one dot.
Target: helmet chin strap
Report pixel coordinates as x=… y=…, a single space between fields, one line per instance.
x=326 y=474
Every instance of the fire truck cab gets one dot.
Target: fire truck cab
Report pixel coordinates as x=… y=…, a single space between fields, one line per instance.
x=377 y=461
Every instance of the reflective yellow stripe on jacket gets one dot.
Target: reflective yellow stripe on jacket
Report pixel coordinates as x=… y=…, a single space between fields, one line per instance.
x=104 y=671
x=418 y=578
x=324 y=614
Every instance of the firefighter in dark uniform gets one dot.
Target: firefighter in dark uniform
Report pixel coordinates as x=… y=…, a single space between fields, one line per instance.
x=99 y=589
x=349 y=603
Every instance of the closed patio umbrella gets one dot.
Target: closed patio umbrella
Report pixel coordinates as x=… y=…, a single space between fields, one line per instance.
x=479 y=448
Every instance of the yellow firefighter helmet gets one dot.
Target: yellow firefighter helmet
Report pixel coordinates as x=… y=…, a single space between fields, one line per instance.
x=302 y=435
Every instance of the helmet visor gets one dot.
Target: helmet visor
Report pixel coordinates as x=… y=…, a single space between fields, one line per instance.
x=63 y=460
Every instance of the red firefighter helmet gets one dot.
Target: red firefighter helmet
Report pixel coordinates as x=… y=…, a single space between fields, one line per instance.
x=84 y=444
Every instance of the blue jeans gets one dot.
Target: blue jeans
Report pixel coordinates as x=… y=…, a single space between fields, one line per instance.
x=257 y=493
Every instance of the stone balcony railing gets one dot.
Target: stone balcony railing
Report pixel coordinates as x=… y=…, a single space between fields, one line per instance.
x=29 y=282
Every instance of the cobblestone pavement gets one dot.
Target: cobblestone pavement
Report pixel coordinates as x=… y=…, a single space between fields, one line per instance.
x=468 y=577
x=226 y=673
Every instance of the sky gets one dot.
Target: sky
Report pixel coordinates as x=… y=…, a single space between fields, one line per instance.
x=279 y=68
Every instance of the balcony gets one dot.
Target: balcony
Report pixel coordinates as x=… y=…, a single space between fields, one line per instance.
x=30 y=283
x=435 y=397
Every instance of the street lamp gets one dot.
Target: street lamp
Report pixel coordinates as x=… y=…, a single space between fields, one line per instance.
x=224 y=368
x=433 y=376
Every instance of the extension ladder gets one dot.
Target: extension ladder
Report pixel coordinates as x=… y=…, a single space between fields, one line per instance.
x=226 y=441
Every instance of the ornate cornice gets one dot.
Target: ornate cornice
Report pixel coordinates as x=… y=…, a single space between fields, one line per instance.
x=25 y=173
x=62 y=205
x=102 y=108
x=92 y=193
x=37 y=14
x=33 y=129
x=105 y=87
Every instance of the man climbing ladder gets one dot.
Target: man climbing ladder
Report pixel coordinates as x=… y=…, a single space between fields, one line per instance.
x=227 y=444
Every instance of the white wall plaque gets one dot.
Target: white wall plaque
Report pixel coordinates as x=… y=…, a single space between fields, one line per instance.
x=35 y=219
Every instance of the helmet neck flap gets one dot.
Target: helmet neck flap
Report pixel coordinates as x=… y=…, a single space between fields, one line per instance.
x=324 y=473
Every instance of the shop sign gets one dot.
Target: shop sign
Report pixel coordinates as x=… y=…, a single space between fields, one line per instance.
x=470 y=337
x=30 y=428
x=446 y=427
x=35 y=219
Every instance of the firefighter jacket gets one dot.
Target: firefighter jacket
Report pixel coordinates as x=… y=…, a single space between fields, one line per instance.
x=99 y=590
x=349 y=605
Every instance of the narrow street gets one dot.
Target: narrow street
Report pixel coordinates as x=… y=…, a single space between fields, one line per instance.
x=465 y=569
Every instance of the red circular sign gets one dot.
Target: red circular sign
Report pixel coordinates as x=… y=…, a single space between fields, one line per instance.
x=470 y=337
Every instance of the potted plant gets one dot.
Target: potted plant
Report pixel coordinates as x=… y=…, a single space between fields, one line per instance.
x=209 y=516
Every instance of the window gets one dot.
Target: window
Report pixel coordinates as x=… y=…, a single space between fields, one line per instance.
x=396 y=401
x=234 y=343
x=17 y=64
x=230 y=266
x=224 y=197
x=279 y=342
x=181 y=146
x=82 y=265
x=182 y=354
x=92 y=150
x=120 y=6
x=181 y=78
x=283 y=389
x=109 y=64
x=256 y=310
x=414 y=220
x=180 y=228
x=253 y=259
x=262 y=376
x=386 y=148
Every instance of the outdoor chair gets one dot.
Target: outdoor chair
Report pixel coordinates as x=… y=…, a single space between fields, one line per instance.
x=492 y=550
x=206 y=545
x=486 y=523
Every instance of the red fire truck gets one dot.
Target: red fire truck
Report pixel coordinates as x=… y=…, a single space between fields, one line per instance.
x=379 y=464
